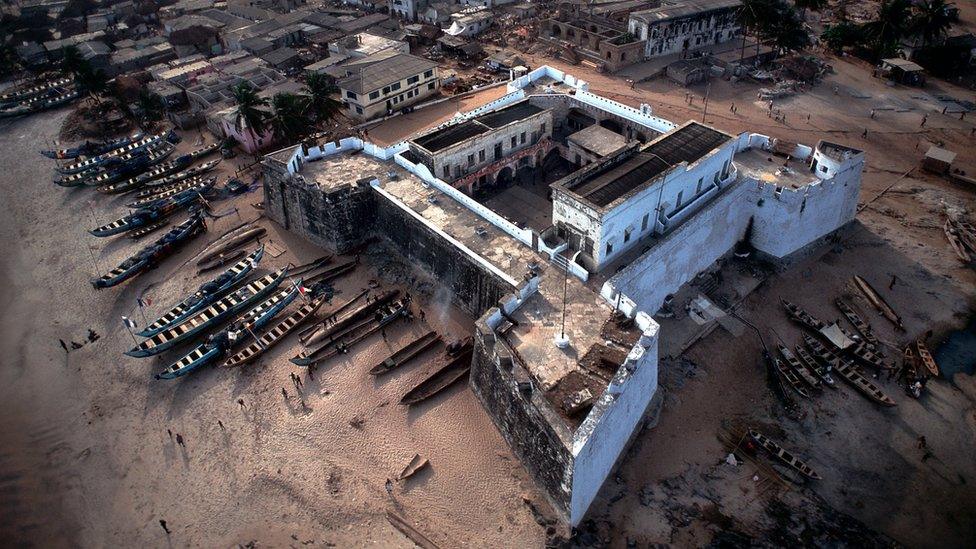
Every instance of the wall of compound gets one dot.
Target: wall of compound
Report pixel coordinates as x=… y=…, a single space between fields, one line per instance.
x=678 y=256
x=789 y=219
x=599 y=442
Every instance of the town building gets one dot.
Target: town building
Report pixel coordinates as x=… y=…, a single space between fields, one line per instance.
x=390 y=83
x=566 y=356
x=681 y=25
x=470 y=22
x=365 y=44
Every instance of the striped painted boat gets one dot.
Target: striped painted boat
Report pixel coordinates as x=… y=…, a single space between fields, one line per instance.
x=153 y=253
x=822 y=372
x=161 y=171
x=143 y=231
x=138 y=218
x=275 y=335
x=219 y=344
x=848 y=372
x=130 y=164
x=119 y=152
x=20 y=95
x=177 y=186
x=91 y=148
x=210 y=316
x=198 y=187
x=40 y=103
x=206 y=294
x=167 y=182
x=798 y=368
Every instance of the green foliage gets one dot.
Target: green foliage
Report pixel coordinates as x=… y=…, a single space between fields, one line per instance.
x=289 y=118
x=250 y=116
x=151 y=105
x=775 y=21
x=931 y=20
x=322 y=103
x=842 y=35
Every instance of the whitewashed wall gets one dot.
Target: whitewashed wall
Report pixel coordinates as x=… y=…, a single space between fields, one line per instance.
x=605 y=432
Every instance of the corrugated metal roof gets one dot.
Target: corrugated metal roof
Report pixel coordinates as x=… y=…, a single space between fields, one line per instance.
x=384 y=72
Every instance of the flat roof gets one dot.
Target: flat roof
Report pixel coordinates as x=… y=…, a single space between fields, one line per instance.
x=685 y=144
x=683 y=8
x=451 y=135
x=598 y=140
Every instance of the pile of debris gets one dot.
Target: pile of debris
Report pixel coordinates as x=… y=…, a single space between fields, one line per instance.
x=791 y=75
x=962 y=238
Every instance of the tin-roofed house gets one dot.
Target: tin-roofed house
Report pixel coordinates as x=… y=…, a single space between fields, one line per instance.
x=373 y=89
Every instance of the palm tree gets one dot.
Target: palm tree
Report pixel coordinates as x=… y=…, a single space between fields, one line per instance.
x=72 y=62
x=289 y=118
x=320 y=90
x=787 y=31
x=93 y=81
x=755 y=16
x=891 y=25
x=151 y=105
x=250 y=116
x=931 y=20
x=812 y=5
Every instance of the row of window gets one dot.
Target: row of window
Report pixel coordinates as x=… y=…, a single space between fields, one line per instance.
x=517 y=140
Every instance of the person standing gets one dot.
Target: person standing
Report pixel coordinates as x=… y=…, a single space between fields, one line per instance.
x=163 y=524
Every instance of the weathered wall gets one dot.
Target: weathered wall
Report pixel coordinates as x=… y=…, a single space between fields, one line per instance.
x=340 y=219
x=473 y=288
x=532 y=430
x=612 y=422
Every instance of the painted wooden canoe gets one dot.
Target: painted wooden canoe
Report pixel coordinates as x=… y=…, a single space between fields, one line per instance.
x=783 y=455
x=152 y=254
x=143 y=217
x=128 y=150
x=802 y=317
x=790 y=377
x=210 y=316
x=823 y=372
x=341 y=342
x=137 y=163
x=275 y=335
x=855 y=319
x=198 y=184
x=798 y=368
x=164 y=184
x=926 y=358
x=239 y=331
x=232 y=241
x=17 y=96
x=92 y=148
x=148 y=229
x=206 y=294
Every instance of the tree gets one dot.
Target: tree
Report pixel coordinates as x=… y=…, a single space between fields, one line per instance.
x=151 y=105
x=884 y=33
x=250 y=117
x=840 y=36
x=289 y=118
x=812 y=5
x=931 y=20
x=93 y=81
x=786 y=29
x=72 y=62
x=320 y=90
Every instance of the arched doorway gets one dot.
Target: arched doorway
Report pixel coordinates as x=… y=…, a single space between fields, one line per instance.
x=504 y=177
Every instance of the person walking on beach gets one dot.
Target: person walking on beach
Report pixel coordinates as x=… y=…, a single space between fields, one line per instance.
x=179 y=440
x=163 y=524
x=284 y=393
x=240 y=401
x=170 y=433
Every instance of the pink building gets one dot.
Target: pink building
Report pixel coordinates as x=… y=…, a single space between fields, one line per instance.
x=250 y=141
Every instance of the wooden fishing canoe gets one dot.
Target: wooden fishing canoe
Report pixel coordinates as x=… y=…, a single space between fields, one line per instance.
x=275 y=335
x=152 y=254
x=926 y=358
x=798 y=368
x=790 y=377
x=783 y=455
x=218 y=248
x=823 y=372
x=451 y=373
x=406 y=353
x=855 y=319
x=210 y=316
x=342 y=342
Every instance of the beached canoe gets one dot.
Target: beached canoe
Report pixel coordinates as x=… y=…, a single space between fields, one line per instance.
x=275 y=335
x=206 y=294
x=152 y=254
x=448 y=375
x=209 y=317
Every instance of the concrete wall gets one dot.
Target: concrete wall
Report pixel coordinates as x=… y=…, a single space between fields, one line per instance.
x=612 y=422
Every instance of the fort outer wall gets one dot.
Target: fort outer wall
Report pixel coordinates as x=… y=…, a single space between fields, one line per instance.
x=785 y=221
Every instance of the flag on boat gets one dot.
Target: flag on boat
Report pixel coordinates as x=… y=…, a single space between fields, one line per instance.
x=129 y=323
x=254 y=263
x=143 y=301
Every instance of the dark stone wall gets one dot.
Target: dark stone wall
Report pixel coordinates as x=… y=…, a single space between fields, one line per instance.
x=340 y=218
x=473 y=287
x=521 y=418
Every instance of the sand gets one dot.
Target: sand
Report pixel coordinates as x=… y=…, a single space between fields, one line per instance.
x=87 y=460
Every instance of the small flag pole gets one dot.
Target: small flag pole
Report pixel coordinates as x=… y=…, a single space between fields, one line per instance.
x=125 y=322
x=141 y=310
x=300 y=292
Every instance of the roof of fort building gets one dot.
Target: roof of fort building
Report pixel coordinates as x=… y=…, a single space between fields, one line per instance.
x=453 y=134
x=688 y=143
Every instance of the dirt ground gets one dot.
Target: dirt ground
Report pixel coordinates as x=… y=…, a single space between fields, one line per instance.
x=86 y=459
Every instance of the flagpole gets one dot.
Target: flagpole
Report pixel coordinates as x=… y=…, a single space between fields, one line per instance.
x=139 y=303
x=94 y=262
x=132 y=335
